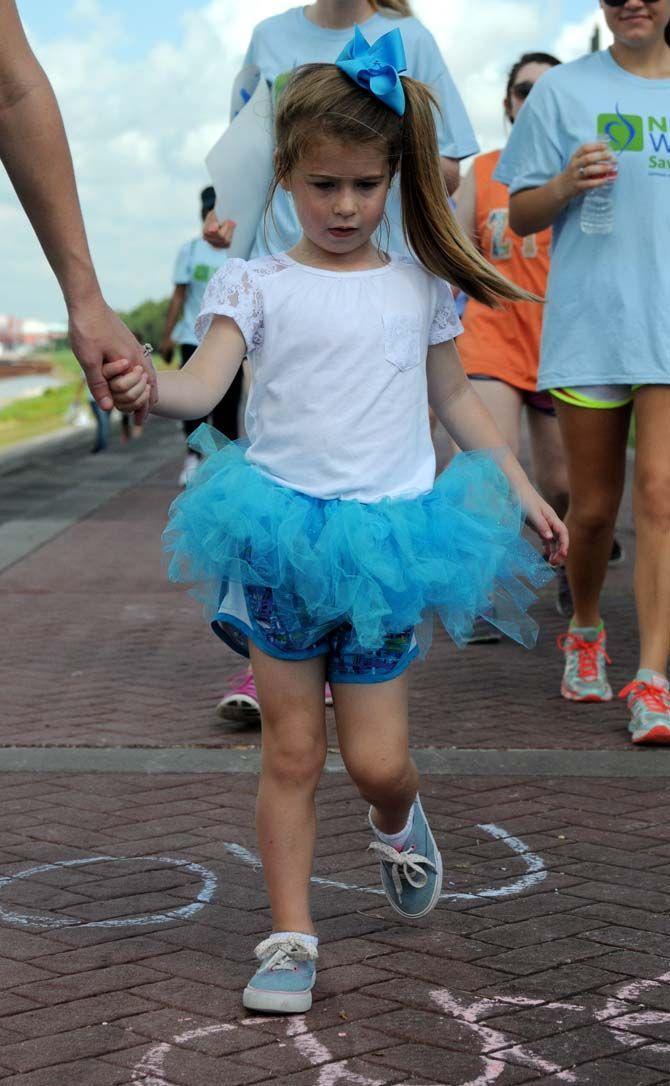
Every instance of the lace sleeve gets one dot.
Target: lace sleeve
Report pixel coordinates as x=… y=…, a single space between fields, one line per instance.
x=233 y=292
x=446 y=322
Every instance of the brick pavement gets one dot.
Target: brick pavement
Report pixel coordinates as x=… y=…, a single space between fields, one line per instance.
x=130 y=903
x=105 y=980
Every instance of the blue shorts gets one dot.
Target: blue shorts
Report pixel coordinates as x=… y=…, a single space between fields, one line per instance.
x=346 y=661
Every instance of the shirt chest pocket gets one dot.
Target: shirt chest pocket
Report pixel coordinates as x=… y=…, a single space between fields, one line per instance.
x=402 y=340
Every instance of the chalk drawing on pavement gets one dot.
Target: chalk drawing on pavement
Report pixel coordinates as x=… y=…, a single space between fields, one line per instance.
x=50 y=920
x=497 y=1051
x=535 y=870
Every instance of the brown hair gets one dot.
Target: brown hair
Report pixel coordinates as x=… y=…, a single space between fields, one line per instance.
x=527 y=58
x=321 y=102
x=398 y=7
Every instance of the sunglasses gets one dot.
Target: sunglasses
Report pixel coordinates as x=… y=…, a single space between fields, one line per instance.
x=620 y=3
x=522 y=90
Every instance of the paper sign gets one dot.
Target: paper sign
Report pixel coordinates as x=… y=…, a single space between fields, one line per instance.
x=240 y=166
x=244 y=86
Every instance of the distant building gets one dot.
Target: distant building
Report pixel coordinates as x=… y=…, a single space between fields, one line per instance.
x=21 y=333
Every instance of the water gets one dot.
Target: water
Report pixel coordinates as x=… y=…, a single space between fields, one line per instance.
x=21 y=388
x=597 y=214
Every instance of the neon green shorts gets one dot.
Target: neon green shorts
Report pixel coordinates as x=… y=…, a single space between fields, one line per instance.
x=600 y=397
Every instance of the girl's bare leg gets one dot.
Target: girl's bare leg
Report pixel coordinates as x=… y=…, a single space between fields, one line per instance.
x=372 y=729
x=293 y=756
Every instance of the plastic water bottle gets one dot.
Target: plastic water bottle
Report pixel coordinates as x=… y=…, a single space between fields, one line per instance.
x=597 y=214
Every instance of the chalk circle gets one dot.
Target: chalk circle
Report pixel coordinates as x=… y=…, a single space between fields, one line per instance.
x=536 y=871
x=37 y=920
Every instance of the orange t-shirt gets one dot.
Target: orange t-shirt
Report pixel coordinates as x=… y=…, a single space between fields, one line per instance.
x=505 y=343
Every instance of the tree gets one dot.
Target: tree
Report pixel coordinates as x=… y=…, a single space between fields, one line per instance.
x=147 y=320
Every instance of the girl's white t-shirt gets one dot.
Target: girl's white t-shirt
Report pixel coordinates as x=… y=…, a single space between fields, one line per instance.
x=338 y=405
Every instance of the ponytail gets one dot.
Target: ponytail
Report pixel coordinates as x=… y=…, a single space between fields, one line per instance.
x=430 y=228
x=398 y=7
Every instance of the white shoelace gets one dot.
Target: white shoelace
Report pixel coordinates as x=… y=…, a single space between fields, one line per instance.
x=281 y=952
x=412 y=864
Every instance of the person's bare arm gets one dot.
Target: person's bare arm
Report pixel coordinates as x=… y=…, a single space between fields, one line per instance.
x=451 y=171
x=465 y=199
x=193 y=391
x=172 y=316
x=36 y=155
x=532 y=210
x=462 y=413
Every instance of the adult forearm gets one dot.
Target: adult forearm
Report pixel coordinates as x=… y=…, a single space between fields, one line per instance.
x=533 y=210
x=35 y=153
x=172 y=315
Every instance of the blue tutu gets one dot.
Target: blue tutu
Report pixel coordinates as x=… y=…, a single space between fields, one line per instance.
x=456 y=551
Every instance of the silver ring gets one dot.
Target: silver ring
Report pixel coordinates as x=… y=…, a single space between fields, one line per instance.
x=147 y=350
x=582 y=171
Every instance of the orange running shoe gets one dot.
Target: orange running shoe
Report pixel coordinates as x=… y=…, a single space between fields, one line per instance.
x=648 y=699
x=585 y=675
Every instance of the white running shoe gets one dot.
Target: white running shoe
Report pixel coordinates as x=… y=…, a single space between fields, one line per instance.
x=191 y=464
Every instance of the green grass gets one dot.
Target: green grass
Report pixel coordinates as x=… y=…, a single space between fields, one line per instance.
x=43 y=414
x=37 y=415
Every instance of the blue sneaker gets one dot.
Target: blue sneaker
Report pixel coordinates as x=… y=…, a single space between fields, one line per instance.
x=284 y=980
x=412 y=877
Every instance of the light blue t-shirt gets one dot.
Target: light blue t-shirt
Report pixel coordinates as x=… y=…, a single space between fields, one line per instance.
x=283 y=42
x=196 y=263
x=606 y=318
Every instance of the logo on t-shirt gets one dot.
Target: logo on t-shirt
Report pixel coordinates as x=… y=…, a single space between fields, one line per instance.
x=624 y=131
x=202 y=273
x=630 y=132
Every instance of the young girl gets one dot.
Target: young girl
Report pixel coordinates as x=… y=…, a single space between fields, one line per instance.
x=330 y=539
x=319 y=32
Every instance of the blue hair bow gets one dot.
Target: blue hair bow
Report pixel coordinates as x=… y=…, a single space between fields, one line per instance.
x=376 y=67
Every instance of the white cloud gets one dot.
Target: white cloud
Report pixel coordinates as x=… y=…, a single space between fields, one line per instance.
x=139 y=128
x=572 y=39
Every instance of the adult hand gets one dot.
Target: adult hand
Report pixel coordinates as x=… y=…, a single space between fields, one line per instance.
x=592 y=166
x=98 y=335
x=220 y=235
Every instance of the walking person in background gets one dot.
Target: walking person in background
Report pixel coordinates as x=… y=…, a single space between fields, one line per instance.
x=318 y=32
x=332 y=538
x=500 y=348
x=101 y=417
x=197 y=261
x=35 y=152
x=589 y=155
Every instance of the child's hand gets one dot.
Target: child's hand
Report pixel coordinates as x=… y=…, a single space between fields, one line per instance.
x=549 y=527
x=129 y=385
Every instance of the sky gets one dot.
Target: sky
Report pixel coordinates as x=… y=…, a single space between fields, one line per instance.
x=144 y=87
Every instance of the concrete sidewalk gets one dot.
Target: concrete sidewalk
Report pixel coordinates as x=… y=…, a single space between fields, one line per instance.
x=130 y=894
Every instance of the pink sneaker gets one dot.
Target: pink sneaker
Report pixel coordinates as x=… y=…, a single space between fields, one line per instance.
x=241 y=701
